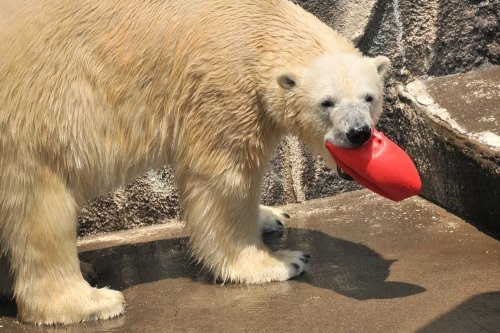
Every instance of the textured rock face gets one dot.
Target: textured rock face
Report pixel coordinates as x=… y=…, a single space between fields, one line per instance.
x=435 y=37
x=150 y=199
x=350 y=17
x=422 y=37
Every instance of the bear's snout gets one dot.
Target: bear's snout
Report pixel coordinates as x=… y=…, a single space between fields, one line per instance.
x=358 y=135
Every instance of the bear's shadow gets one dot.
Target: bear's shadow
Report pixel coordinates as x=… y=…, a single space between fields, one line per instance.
x=350 y=269
x=347 y=268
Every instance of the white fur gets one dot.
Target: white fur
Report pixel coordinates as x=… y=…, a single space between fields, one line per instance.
x=94 y=93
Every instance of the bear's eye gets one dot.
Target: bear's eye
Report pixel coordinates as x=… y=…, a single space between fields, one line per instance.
x=328 y=103
x=369 y=98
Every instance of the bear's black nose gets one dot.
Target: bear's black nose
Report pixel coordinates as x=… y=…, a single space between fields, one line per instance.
x=359 y=135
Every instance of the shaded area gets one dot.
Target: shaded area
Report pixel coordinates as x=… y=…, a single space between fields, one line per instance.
x=467 y=36
x=436 y=37
x=480 y=313
x=347 y=268
x=122 y=267
x=350 y=269
x=150 y=199
x=7 y=308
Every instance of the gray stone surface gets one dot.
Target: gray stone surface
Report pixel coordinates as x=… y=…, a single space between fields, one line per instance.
x=350 y=17
x=377 y=266
x=471 y=100
x=151 y=199
x=434 y=37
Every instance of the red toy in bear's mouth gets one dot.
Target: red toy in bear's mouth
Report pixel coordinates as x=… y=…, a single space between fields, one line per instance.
x=379 y=165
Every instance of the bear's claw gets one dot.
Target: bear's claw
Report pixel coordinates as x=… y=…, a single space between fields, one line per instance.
x=305 y=259
x=297 y=259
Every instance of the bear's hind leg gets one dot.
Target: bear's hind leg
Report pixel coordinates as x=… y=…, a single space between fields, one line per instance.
x=222 y=216
x=48 y=284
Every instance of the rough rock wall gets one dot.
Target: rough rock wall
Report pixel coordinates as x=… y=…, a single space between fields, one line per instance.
x=422 y=37
x=429 y=38
x=434 y=37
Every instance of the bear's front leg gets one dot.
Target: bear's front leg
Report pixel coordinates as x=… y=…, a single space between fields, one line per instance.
x=39 y=234
x=222 y=215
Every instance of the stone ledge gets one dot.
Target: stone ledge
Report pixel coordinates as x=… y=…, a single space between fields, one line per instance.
x=459 y=158
x=445 y=98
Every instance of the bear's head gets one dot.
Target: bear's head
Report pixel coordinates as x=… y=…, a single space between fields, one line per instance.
x=337 y=98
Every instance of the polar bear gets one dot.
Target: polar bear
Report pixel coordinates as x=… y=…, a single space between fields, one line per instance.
x=94 y=93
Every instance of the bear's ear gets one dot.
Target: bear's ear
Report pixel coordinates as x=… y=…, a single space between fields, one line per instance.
x=287 y=81
x=383 y=64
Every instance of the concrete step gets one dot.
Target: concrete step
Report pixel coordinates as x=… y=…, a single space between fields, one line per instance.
x=378 y=266
x=451 y=127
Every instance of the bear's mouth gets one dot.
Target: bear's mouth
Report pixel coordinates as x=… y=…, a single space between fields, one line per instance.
x=343 y=174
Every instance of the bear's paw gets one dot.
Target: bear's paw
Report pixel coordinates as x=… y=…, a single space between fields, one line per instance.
x=271 y=219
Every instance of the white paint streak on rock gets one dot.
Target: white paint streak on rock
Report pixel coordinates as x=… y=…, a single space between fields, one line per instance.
x=400 y=31
x=417 y=92
x=489 y=138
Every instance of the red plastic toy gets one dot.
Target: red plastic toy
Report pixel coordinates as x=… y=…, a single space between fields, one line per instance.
x=381 y=166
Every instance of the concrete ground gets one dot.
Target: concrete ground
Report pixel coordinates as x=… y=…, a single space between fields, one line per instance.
x=377 y=266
